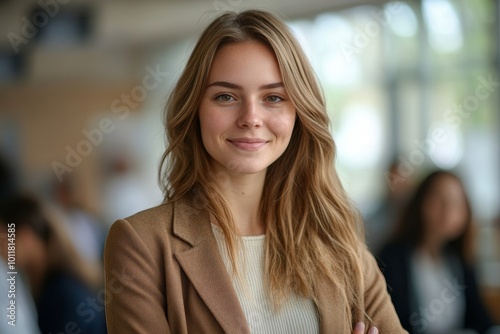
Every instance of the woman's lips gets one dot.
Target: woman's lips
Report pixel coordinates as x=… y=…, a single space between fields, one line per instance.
x=248 y=144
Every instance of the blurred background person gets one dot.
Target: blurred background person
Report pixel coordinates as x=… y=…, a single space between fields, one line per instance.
x=54 y=270
x=8 y=185
x=428 y=263
x=26 y=319
x=380 y=222
x=85 y=230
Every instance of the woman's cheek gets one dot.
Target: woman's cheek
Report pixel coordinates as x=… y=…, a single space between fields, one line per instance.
x=283 y=124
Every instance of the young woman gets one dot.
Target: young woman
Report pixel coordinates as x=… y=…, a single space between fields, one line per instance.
x=256 y=233
x=428 y=264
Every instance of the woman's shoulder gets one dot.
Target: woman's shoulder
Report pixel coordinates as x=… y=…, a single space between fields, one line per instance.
x=162 y=221
x=394 y=253
x=143 y=228
x=146 y=221
x=395 y=247
x=161 y=215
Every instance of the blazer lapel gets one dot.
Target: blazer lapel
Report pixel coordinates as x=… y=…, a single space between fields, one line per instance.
x=204 y=267
x=332 y=317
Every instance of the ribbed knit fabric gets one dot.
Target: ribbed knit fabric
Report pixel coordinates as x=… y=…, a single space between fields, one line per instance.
x=298 y=315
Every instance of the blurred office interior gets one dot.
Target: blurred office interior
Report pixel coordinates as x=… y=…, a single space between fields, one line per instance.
x=416 y=83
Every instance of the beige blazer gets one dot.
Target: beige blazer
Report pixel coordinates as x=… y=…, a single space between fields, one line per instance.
x=164 y=274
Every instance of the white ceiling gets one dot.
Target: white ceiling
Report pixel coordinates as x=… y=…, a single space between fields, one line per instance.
x=130 y=25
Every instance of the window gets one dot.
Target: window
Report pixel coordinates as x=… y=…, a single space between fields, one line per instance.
x=416 y=80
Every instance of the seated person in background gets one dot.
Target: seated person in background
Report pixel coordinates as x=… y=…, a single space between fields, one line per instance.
x=24 y=318
x=427 y=264
x=20 y=315
x=62 y=297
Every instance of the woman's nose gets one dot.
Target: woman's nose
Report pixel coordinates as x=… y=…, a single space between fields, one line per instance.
x=250 y=116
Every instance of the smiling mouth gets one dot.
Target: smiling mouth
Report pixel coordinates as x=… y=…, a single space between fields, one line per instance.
x=248 y=144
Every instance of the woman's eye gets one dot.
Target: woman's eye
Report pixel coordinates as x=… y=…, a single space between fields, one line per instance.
x=224 y=98
x=273 y=98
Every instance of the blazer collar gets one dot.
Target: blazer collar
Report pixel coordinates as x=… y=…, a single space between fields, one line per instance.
x=204 y=267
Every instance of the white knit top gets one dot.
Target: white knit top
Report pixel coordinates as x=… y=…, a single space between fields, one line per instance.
x=298 y=315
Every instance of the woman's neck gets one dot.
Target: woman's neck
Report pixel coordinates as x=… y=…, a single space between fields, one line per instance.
x=432 y=248
x=243 y=193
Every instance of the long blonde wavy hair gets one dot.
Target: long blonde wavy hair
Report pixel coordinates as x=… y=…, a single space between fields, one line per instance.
x=313 y=231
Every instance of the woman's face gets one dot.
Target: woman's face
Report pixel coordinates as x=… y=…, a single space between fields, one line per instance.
x=246 y=116
x=445 y=210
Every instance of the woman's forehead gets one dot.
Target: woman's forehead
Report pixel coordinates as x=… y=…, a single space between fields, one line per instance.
x=249 y=62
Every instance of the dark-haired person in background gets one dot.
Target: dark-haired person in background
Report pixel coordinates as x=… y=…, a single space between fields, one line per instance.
x=427 y=265
x=23 y=309
x=8 y=184
x=59 y=293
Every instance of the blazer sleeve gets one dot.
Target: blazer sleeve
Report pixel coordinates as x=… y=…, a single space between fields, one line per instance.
x=135 y=300
x=378 y=304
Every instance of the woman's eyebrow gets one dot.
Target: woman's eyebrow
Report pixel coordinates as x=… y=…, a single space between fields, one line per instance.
x=225 y=84
x=235 y=86
x=272 y=85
